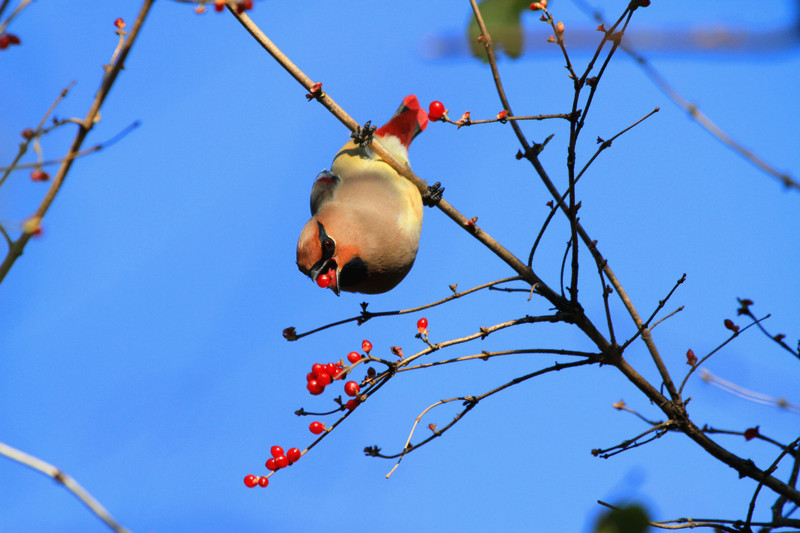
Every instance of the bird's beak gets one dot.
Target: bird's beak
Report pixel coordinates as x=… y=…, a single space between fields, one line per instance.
x=330 y=268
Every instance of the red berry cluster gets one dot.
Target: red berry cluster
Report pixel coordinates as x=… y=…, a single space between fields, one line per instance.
x=278 y=460
x=7 y=39
x=322 y=376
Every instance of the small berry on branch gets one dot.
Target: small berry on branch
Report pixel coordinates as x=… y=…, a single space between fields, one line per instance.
x=436 y=111
x=316 y=427
x=351 y=388
x=293 y=454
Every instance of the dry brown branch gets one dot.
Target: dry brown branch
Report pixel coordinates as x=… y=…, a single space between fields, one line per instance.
x=65 y=480
x=715 y=350
x=86 y=125
x=94 y=149
x=366 y=315
x=485 y=356
x=23 y=146
x=750 y=396
x=696 y=114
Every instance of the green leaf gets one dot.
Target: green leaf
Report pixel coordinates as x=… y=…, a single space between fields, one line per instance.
x=503 y=21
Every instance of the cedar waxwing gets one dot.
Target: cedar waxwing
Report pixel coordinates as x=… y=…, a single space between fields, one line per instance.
x=366 y=218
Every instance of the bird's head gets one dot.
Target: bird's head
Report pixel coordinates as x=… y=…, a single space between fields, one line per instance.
x=318 y=254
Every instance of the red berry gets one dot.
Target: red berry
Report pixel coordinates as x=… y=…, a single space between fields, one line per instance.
x=323 y=280
x=324 y=379
x=293 y=455
x=4 y=42
x=354 y=357
x=318 y=369
x=311 y=376
x=263 y=482
x=39 y=175
x=282 y=461
x=219 y=5
x=244 y=5
x=315 y=387
x=436 y=110
x=270 y=464
x=366 y=346
x=332 y=369
x=119 y=23
x=422 y=324
x=352 y=404
x=351 y=388
x=339 y=369
x=316 y=427
x=250 y=480
x=275 y=451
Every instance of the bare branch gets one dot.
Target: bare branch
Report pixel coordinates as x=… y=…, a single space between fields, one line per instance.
x=68 y=482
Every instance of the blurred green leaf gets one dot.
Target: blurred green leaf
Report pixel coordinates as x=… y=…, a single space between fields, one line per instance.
x=629 y=519
x=503 y=21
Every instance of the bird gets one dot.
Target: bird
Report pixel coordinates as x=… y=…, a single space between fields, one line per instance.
x=366 y=219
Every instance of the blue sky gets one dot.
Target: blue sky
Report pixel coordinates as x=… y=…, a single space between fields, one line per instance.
x=141 y=336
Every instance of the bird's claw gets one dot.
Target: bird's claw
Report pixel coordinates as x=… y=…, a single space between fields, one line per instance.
x=363 y=136
x=434 y=195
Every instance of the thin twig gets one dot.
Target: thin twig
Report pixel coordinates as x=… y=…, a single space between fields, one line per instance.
x=472 y=401
x=366 y=315
x=445 y=119
x=485 y=356
x=68 y=482
x=96 y=148
x=715 y=350
x=4 y=24
x=23 y=147
x=751 y=396
x=88 y=123
x=769 y=470
x=697 y=115
x=661 y=304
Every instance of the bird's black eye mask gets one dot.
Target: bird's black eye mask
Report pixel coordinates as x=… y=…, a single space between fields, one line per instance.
x=328 y=246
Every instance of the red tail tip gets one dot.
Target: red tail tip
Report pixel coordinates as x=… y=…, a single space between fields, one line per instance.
x=408 y=122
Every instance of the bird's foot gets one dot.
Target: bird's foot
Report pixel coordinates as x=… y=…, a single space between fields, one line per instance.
x=363 y=136
x=434 y=195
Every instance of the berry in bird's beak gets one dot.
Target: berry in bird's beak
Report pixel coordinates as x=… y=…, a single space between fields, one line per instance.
x=326 y=277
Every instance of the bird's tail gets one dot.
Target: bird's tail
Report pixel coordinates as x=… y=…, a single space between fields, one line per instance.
x=408 y=122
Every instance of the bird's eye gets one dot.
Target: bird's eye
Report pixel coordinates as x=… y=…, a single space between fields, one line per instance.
x=329 y=244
